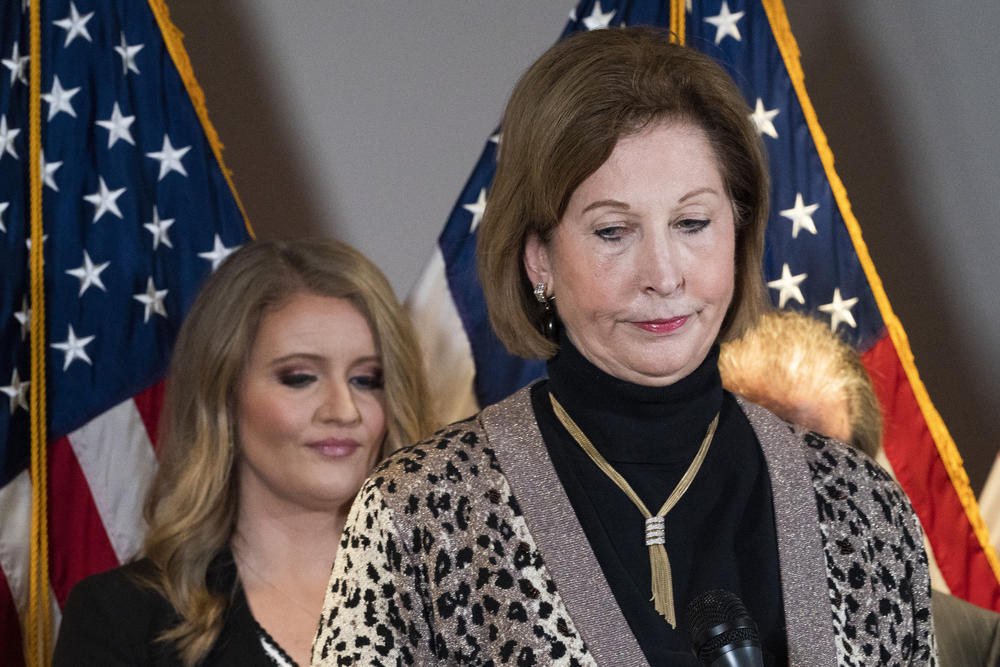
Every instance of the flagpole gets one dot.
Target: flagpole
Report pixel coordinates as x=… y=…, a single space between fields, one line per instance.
x=39 y=619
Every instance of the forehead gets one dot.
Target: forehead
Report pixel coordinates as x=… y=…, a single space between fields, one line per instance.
x=672 y=155
x=307 y=323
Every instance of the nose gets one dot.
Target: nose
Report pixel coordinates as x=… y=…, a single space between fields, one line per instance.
x=338 y=405
x=660 y=267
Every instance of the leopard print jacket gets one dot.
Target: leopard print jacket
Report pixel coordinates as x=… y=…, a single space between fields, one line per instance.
x=464 y=550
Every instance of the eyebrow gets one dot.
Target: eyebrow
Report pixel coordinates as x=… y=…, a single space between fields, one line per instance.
x=318 y=358
x=614 y=203
x=699 y=191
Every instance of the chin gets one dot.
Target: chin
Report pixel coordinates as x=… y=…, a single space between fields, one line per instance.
x=652 y=375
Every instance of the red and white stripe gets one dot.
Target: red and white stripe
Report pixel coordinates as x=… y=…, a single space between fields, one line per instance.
x=989 y=503
x=98 y=477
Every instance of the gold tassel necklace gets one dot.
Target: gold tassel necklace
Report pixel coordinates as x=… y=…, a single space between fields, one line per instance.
x=663 y=585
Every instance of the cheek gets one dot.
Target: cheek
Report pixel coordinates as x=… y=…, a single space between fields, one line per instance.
x=718 y=280
x=264 y=418
x=373 y=414
x=591 y=287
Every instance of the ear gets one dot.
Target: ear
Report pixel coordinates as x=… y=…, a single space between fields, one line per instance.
x=536 y=262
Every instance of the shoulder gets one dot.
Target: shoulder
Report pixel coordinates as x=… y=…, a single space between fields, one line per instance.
x=964 y=630
x=113 y=618
x=840 y=473
x=877 y=569
x=848 y=480
x=122 y=586
x=433 y=483
x=461 y=453
x=460 y=459
x=855 y=496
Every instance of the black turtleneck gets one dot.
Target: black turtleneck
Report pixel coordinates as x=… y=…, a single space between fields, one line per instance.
x=720 y=535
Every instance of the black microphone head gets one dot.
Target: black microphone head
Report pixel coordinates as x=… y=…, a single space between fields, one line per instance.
x=718 y=622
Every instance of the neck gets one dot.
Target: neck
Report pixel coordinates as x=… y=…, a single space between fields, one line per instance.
x=284 y=559
x=291 y=549
x=635 y=423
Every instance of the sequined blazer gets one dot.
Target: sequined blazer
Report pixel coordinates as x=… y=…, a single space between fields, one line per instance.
x=464 y=549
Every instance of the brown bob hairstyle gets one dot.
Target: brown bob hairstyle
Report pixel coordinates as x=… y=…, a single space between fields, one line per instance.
x=562 y=122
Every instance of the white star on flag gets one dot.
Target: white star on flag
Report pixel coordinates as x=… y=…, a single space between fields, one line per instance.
x=49 y=171
x=158 y=228
x=801 y=216
x=170 y=158
x=74 y=348
x=18 y=65
x=17 y=392
x=3 y=207
x=117 y=126
x=127 y=54
x=105 y=200
x=152 y=300
x=725 y=23
x=27 y=241
x=7 y=138
x=59 y=99
x=23 y=317
x=477 y=209
x=218 y=253
x=788 y=286
x=74 y=25
x=598 y=19
x=763 y=119
x=89 y=274
x=840 y=310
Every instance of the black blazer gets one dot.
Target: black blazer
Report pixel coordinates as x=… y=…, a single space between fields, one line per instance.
x=111 y=620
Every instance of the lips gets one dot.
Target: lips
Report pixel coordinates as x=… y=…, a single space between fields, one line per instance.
x=335 y=447
x=662 y=325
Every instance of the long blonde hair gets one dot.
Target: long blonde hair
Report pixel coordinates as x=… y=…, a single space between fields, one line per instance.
x=192 y=504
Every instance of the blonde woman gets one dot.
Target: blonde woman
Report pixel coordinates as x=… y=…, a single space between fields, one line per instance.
x=295 y=371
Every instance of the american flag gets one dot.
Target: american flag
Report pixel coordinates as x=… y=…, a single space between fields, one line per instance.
x=815 y=261
x=989 y=502
x=137 y=210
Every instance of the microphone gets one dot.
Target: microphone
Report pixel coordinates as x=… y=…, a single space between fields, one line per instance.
x=722 y=632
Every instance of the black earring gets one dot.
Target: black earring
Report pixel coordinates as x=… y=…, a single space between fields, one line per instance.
x=549 y=325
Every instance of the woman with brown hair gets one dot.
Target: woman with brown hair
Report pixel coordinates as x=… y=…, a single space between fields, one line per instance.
x=295 y=371
x=575 y=521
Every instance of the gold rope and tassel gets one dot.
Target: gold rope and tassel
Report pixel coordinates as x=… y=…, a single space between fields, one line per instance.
x=677 y=16
x=39 y=622
x=659 y=563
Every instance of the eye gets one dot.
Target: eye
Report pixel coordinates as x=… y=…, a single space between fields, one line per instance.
x=610 y=233
x=296 y=380
x=692 y=225
x=367 y=381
